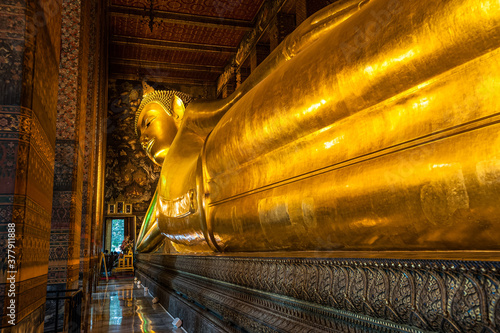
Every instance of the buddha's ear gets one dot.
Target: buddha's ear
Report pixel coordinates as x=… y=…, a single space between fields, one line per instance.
x=178 y=108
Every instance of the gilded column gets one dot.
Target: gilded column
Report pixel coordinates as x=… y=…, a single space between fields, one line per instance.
x=99 y=147
x=89 y=156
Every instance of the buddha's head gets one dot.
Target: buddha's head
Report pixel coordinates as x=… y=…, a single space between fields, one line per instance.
x=157 y=121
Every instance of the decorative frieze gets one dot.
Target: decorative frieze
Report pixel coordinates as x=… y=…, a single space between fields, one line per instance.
x=430 y=295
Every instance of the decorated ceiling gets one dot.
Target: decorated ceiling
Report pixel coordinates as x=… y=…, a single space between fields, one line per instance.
x=176 y=41
x=224 y=9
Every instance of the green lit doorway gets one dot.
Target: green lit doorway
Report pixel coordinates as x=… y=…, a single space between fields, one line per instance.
x=116 y=229
x=117 y=234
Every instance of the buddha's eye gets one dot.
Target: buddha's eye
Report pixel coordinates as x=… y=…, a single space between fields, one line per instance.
x=149 y=121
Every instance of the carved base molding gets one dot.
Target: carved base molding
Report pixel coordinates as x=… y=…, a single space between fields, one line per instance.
x=247 y=294
x=195 y=318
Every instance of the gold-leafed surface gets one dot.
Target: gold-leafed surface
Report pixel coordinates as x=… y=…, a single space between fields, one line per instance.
x=381 y=135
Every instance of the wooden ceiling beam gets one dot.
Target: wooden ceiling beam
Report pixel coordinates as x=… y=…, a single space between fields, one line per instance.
x=164 y=66
x=161 y=79
x=180 y=18
x=168 y=45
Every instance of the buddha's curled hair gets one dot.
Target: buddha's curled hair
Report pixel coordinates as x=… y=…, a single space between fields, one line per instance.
x=163 y=97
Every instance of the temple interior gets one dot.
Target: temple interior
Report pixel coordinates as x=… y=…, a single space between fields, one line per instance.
x=250 y=166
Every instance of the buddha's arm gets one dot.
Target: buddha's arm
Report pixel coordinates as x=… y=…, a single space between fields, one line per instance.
x=150 y=236
x=203 y=115
x=180 y=195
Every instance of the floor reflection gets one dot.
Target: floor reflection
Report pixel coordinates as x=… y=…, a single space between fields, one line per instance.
x=121 y=306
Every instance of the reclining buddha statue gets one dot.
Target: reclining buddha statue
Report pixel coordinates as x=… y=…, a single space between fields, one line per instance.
x=373 y=126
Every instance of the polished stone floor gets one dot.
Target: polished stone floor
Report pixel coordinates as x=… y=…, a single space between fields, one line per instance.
x=121 y=306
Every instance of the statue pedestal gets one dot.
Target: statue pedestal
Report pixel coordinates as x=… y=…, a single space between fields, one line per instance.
x=299 y=293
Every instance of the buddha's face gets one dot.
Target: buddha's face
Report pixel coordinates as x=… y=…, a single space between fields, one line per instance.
x=157 y=130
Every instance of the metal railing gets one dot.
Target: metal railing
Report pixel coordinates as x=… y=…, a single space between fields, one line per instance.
x=74 y=307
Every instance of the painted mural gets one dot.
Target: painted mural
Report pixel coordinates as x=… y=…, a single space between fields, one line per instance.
x=129 y=172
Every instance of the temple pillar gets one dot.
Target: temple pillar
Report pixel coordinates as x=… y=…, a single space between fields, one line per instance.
x=30 y=45
x=258 y=54
x=300 y=11
x=64 y=262
x=241 y=75
x=230 y=86
x=96 y=203
x=283 y=25
x=89 y=190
